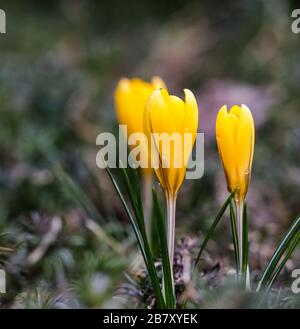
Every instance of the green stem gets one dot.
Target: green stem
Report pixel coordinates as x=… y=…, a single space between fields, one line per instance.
x=243 y=268
x=239 y=206
x=171 y=210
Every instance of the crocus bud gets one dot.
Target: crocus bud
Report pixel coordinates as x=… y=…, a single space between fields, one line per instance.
x=235 y=138
x=170 y=120
x=130 y=100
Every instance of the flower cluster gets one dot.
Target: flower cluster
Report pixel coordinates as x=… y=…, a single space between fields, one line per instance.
x=149 y=108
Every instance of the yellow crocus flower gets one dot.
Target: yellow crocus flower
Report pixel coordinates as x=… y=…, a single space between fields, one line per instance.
x=171 y=115
x=130 y=100
x=235 y=138
x=171 y=122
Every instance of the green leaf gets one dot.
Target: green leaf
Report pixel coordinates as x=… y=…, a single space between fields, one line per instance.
x=262 y=297
x=155 y=243
x=137 y=184
x=142 y=242
x=235 y=239
x=167 y=276
x=136 y=205
x=213 y=226
x=291 y=248
x=285 y=246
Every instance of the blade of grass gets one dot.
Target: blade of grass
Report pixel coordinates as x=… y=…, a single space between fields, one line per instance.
x=169 y=297
x=138 y=211
x=289 y=252
x=155 y=244
x=268 y=287
x=234 y=236
x=167 y=276
x=279 y=252
x=144 y=247
x=213 y=226
x=137 y=182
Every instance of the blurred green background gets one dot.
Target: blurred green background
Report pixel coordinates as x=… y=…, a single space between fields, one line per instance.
x=65 y=240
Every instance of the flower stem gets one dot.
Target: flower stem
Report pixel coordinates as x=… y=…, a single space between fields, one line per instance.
x=243 y=273
x=171 y=209
x=239 y=205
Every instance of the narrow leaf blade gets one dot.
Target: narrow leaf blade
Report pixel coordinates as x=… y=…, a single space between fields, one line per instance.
x=279 y=252
x=213 y=226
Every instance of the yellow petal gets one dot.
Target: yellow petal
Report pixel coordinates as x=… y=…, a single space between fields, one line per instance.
x=177 y=107
x=191 y=112
x=157 y=117
x=234 y=115
x=158 y=83
x=226 y=146
x=120 y=98
x=190 y=125
x=245 y=148
x=160 y=114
